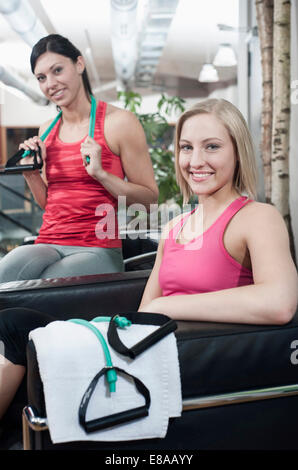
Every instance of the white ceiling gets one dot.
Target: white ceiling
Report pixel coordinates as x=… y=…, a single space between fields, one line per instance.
x=193 y=39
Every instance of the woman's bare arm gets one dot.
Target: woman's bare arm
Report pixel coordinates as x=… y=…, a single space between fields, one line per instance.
x=153 y=290
x=273 y=297
x=36 y=181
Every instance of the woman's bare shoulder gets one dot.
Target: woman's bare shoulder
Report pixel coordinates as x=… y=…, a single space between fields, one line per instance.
x=110 y=109
x=114 y=112
x=256 y=217
x=256 y=209
x=124 y=121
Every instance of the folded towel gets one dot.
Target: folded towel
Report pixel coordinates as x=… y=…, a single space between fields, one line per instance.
x=70 y=355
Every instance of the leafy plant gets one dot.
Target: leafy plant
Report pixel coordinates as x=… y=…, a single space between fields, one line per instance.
x=159 y=135
x=174 y=103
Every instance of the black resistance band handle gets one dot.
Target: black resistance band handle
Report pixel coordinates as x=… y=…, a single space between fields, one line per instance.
x=168 y=327
x=116 y=418
x=12 y=167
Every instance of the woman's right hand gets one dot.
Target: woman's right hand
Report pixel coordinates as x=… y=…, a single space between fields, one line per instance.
x=32 y=144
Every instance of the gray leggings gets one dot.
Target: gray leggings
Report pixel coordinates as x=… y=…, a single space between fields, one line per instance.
x=43 y=261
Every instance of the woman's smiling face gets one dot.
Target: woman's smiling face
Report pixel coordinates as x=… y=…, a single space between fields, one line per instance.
x=58 y=76
x=207 y=156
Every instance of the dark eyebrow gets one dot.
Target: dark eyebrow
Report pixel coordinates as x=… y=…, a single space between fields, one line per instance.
x=51 y=68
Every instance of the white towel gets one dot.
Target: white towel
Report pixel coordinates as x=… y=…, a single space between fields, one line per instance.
x=69 y=356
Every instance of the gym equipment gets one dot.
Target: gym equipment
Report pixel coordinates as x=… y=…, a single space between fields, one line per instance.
x=12 y=167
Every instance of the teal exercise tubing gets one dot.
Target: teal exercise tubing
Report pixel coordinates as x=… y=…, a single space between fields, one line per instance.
x=165 y=326
x=111 y=375
x=11 y=166
x=121 y=322
x=59 y=115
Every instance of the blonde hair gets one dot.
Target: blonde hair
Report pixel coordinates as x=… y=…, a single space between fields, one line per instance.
x=245 y=176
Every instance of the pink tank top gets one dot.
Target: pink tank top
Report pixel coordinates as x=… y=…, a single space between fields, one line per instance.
x=79 y=210
x=203 y=264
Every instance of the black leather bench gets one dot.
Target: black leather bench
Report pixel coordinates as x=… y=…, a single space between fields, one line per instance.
x=239 y=382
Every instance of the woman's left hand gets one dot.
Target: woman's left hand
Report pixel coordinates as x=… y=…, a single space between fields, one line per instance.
x=91 y=154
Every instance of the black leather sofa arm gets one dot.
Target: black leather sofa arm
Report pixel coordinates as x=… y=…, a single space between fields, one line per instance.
x=217 y=361
x=82 y=295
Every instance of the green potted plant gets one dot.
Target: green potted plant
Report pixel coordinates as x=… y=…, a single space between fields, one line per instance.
x=159 y=134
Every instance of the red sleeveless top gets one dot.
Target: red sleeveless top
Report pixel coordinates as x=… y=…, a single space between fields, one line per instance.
x=79 y=210
x=203 y=264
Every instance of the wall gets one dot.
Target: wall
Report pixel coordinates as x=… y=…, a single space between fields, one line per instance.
x=22 y=112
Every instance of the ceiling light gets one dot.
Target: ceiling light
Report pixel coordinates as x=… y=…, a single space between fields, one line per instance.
x=225 y=56
x=14 y=81
x=208 y=74
x=124 y=33
x=23 y=20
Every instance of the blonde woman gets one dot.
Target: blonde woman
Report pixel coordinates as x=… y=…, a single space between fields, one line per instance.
x=229 y=259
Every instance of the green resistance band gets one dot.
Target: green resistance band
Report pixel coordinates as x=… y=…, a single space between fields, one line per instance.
x=53 y=123
x=122 y=322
